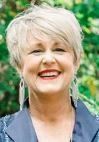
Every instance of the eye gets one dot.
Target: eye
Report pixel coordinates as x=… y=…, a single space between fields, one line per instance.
x=59 y=50
x=36 y=52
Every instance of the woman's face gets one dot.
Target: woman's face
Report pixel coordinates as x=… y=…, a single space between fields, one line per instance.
x=48 y=66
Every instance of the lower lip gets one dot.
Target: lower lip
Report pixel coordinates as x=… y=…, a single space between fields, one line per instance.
x=50 y=78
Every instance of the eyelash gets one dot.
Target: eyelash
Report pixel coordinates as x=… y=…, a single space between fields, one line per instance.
x=36 y=51
x=59 y=50
x=56 y=50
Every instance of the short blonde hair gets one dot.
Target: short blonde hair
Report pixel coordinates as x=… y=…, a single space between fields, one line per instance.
x=55 y=22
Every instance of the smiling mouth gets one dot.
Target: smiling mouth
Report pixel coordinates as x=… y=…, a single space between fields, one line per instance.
x=49 y=74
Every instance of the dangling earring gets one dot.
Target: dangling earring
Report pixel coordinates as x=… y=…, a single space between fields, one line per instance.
x=21 y=92
x=74 y=90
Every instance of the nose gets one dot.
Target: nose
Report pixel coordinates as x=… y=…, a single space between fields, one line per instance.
x=48 y=58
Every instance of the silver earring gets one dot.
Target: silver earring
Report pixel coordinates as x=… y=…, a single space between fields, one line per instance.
x=21 y=93
x=74 y=90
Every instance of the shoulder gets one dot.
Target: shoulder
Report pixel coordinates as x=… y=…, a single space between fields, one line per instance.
x=4 y=123
x=84 y=113
x=83 y=109
x=88 y=121
x=97 y=136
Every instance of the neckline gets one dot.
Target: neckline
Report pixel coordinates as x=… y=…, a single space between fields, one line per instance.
x=82 y=129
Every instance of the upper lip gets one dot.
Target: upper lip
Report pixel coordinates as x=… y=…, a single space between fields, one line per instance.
x=48 y=70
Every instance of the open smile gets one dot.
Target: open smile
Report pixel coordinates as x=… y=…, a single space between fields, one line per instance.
x=49 y=74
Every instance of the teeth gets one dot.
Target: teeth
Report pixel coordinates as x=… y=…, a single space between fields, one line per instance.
x=48 y=74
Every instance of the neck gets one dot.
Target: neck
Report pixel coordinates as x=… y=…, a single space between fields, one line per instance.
x=51 y=108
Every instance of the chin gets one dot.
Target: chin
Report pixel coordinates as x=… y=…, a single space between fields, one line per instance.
x=49 y=90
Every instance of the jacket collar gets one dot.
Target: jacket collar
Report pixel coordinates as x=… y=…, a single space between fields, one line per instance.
x=21 y=128
x=86 y=125
x=85 y=129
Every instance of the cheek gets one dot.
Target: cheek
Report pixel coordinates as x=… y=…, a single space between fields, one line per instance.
x=70 y=63
x=71 y=67
x=28 y=70
x=30 y=65
x=67 y=64
x=69 y=70
x=29 y=73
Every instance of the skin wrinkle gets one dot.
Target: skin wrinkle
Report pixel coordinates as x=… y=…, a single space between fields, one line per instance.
x=40 y=63
x=56 y=30
x=59 y=44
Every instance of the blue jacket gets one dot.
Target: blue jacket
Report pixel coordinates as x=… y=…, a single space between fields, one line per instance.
x=18 y=127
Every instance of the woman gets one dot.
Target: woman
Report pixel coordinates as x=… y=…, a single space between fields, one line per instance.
x=45 y=47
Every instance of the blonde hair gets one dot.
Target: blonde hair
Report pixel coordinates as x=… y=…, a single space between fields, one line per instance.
x=54 y=22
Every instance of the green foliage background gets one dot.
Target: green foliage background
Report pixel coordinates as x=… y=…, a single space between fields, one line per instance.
x=87 y=12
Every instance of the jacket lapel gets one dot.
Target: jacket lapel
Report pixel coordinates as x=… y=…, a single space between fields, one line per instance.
x=86 y=125
x=85 y=129
x=21 y=128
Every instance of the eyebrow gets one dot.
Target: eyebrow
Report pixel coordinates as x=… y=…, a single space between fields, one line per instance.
x=39 y=44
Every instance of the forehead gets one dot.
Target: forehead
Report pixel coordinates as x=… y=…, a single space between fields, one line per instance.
x=38 y=37
x=44 y=42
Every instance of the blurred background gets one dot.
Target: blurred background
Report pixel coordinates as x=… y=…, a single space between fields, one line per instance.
x=87 y=12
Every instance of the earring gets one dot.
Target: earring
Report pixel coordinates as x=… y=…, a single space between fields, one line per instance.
x=74 y=90
x=21 y=92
